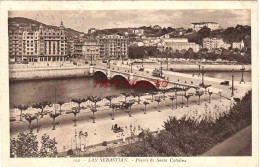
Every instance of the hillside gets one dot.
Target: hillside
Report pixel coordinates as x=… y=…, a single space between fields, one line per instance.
x=16 y=22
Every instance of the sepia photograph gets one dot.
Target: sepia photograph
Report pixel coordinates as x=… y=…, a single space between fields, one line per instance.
x=131 y=85
x=124 y=83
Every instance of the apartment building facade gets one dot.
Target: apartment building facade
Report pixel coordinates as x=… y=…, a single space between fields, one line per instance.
x=40 y=45
x=214 y=43
x=91 y=49
x=113 y=46
x=15 y=44
x=174 y=44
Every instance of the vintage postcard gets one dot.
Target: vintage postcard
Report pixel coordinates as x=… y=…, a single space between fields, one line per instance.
x=129 y=83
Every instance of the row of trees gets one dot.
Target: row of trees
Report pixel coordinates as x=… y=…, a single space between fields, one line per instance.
x=190 y=137
x=125 y=105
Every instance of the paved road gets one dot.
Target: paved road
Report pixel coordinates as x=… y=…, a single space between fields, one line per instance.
x=83 y=117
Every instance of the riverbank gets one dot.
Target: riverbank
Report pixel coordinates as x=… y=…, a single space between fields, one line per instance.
x=20 y=74
x=35 y=73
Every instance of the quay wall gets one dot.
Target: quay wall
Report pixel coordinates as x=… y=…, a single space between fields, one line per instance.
x=48 y=73
x=81 y=71
x=195 y=68
x=213 y=68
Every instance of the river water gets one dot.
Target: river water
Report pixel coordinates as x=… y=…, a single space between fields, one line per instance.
x=31 y=92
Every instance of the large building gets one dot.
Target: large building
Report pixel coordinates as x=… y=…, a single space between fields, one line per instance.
x=214 y=43
x=90 y=49
x=211 y=25
x=15 y=44
x=39 y=45
x=174 y=44
x=113 y=46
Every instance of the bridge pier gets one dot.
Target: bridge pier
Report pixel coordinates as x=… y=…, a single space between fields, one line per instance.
x=91 y=70
x=131 y=77
x=108 y=74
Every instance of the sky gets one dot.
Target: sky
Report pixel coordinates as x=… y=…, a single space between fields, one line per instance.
x=102 y=19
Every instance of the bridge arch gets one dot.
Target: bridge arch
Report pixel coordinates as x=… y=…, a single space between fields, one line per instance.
x=145 y=85
x=120 y=81
x=119 y=75
x=98 y=74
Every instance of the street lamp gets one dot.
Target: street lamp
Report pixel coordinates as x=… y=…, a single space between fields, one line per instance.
x=232 y=88
x=202 y=73
x=161 y=69
x=131 y=67
x=242 y=70
x=199 y=68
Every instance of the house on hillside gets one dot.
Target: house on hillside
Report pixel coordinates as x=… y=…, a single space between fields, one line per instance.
x=238 y=45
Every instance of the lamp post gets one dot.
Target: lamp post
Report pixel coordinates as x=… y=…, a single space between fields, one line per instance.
x=232 y=88
x=199 y=68
x=242 y=70
x=161 y=69
x=131 y=67
x=202 y=73
x=167 y=63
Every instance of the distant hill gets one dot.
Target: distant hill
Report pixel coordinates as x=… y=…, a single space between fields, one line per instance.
x=16 y=22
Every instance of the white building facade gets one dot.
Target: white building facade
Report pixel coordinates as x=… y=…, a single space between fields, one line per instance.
x=211 y=25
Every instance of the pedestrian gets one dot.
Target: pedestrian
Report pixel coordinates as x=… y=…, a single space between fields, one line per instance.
x=95 y=133
x=112 y=127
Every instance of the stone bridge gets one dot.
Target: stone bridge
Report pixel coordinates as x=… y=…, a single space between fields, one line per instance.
x=135 y=77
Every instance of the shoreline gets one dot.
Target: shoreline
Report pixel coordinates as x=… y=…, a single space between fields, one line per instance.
x=29 y=74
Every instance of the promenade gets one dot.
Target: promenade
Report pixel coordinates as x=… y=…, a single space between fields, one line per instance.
x=103 y=125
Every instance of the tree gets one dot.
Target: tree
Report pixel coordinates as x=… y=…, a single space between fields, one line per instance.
x=137 y=94
x=153 y=93
x=79 y=101
x=164 y=91
x=29 y=117
x=54 y=116
x=182 y=102
x=158 y=100
x=75 y=111
x=25 y=146
x=125 y=95
x=110 y=98
x=48 y=148
x=127 y=106
x=93 y=110
x=176 y=95
x=95 y=100
x=189 y=30
x=187 y=96
x=37 y=115
x=199 y=93
x=145 y=104
x=60 y=103
x=204 y=33
x=21 y=108
x=210 y=93
x=114 y=107
x=172 y=98
x=42 y=106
